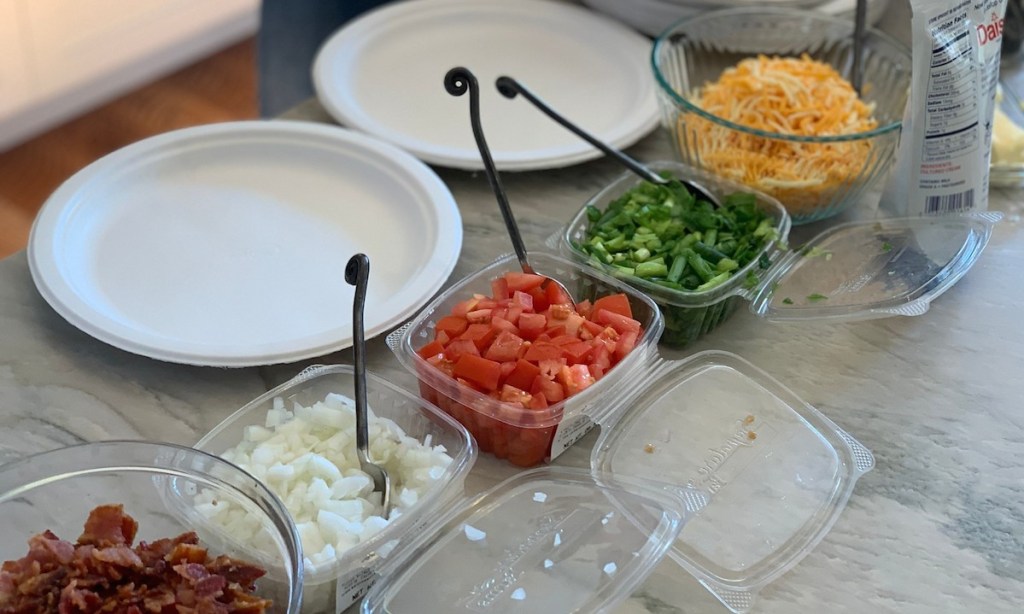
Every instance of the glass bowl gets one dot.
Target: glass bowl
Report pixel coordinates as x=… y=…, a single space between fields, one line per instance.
x=155 y=483
x=688 y=315
x=696 y=51
x=333 y=585
x=1007 y=162
x=525 y=437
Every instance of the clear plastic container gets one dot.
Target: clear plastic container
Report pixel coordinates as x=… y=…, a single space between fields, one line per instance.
x=853 y=271
x=550 y=540
x=154 y=482
x=707 y=460
x=688 y=315
x=342 y=583
x=526 y=437
x=777 y=472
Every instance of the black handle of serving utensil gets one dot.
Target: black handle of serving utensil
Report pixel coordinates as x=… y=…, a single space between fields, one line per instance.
x=510 y=88
x=458 y=81
x=860 y=17
x=357 y=273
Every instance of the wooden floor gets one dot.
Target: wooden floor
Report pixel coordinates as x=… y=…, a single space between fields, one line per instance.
x=219 y=88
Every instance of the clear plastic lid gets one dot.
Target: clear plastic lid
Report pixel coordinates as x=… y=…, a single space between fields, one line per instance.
x=547 y=540
x=777 y=472
x=877 y=269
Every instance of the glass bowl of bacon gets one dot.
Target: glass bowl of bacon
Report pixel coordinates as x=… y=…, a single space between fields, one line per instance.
x=762 y=96
x=110 y=526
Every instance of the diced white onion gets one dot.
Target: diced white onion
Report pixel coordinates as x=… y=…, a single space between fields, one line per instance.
x=307 y=456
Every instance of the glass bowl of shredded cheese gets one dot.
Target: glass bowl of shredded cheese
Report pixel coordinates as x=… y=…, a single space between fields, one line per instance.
x=761 y=96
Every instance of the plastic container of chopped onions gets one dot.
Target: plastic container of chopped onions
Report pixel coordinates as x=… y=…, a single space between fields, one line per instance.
x=281 y=433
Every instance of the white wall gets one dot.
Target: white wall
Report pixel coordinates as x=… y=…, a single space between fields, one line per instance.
x=61 y=58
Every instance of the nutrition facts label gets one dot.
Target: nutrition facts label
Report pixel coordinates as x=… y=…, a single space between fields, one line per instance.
x=951 y=124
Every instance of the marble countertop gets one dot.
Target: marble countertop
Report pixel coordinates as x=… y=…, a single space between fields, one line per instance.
x=935 y=527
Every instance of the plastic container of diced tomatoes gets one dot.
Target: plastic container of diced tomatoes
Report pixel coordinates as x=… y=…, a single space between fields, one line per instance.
x=527 y=436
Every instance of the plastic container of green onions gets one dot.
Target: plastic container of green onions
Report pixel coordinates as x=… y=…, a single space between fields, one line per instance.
x=695 y=260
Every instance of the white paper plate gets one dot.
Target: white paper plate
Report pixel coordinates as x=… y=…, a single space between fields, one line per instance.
x=384 y=74
x=226 y=244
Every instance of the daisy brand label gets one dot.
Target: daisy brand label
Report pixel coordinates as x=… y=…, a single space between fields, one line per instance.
x=568 y=432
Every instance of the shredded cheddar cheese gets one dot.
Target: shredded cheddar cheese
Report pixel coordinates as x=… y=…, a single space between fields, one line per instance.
x=792 y=96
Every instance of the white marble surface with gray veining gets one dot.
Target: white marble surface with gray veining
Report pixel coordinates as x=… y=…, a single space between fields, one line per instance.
x=939 y=399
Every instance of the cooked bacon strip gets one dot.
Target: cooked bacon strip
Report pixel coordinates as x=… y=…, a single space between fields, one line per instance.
x=103 y=572
x=108 y=525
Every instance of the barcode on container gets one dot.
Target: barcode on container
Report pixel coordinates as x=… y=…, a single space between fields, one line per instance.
x=950 y=203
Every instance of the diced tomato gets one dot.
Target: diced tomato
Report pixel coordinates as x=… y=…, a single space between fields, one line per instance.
x=504 y=348
x=626 y=344
x=596 y=371
x=540 y=299
x=511 y=394
x=431 y=349
x=457 y=348
x=551 y=390
x=584 y=308
x=593 y=328
x=501 y=311
x=578 y=352
x=523 y=281
x=559 y=311
x=461 y=309
x=573 y=324
x=486 y=303
x=523 y=374
x=556 y=295
x=615 y=303
x=531 y=325
x=523 y=300
x=538 y=401
x=480 y=334
x=453 y=326
x=542 y=351
x=481 y=371
x=501 y=324
x=442 y=364
x=602 y=357
x=564 y=340
x=617 y=321
x=468 y=384
x=499 y=288
x=555 y=331
x=550 y=369
x=514 y=311
x=506 y=369
x=479 y=316
x=529 y=446
x=574 y=378
x=442 y=337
